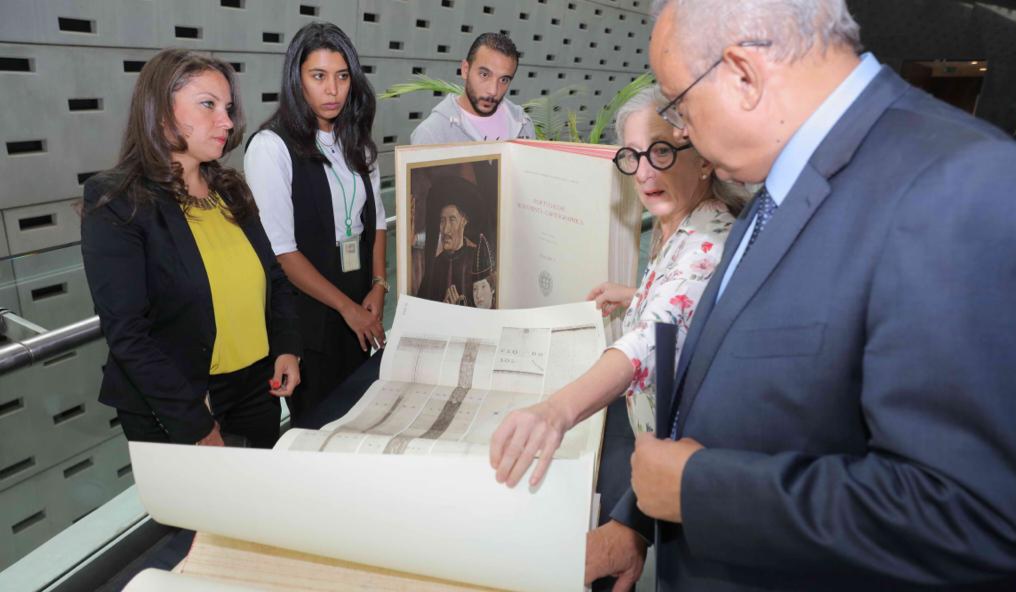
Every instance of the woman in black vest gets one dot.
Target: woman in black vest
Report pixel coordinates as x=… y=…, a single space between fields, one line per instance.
x=312 y=170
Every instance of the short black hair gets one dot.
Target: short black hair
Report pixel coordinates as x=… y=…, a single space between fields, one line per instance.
x=499 y=42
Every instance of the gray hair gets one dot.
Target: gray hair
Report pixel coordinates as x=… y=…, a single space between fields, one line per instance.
x=650 y=97
x=706 y=27
x=733 y=195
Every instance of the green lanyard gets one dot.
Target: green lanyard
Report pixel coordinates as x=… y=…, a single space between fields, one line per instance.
x=346 y=205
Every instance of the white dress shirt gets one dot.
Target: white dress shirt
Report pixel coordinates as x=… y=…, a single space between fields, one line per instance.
x=269 y=172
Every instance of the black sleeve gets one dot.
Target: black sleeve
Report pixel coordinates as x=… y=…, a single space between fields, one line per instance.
x=626 y=512
x=113 y=249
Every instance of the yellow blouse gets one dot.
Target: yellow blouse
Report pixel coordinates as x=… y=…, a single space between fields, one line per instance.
x=237 y=281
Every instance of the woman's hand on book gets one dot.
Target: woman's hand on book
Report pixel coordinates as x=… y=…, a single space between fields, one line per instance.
x=522 y=435
x=610 y=296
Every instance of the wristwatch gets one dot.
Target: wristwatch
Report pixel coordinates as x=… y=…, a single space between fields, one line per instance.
x=380 y=281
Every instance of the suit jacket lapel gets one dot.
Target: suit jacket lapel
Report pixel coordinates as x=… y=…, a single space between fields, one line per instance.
x=808 y=193
x=251 y=231
x=187 y=249
x=262 y=248
x=753 y=270
x=708 y=300
x=668 y=399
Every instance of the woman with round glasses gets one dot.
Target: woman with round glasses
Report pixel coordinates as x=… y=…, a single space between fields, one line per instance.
x=693 y=212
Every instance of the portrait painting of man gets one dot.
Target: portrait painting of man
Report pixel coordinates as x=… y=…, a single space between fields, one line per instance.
x=453 y=207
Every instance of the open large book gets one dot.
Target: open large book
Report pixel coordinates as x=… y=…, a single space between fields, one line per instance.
x=402 y=482
x=515 y=224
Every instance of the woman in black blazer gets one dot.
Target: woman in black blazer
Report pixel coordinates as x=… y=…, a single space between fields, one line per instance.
x=198 y=315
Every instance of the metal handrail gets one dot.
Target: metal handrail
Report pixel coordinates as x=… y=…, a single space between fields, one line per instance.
x=51 y=343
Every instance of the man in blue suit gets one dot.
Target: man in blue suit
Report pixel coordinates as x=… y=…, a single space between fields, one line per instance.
x=844 y=411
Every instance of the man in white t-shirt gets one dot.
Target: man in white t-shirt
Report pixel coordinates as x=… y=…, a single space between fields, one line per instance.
x=481 y=113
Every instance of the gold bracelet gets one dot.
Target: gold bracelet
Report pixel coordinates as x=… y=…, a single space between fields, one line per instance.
x=379 y=281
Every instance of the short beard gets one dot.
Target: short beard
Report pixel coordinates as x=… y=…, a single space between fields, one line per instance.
x=475 y=102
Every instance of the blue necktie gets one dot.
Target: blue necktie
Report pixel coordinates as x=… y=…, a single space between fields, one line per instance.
x=766 y=209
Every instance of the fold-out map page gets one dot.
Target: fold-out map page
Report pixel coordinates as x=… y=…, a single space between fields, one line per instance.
x=447 y=393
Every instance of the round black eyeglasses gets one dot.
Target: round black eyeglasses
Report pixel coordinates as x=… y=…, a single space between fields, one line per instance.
x=661 y=155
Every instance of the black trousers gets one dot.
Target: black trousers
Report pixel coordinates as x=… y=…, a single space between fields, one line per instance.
x=240 y=402
x=323 y=368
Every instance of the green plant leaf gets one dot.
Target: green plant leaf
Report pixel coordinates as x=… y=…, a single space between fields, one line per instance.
x=422 y=83
x=606 y=114
x=573 y=126
x=549 y=117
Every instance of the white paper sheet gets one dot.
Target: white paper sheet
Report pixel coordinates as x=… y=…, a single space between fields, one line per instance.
x=444 y=517
x=563 y=203
x=405 y=483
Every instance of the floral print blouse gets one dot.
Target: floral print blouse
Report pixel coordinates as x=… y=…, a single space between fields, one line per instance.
x=669 y=293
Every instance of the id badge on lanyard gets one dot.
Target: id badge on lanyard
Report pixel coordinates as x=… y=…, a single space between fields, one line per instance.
x=350 y=249
x=349 y=246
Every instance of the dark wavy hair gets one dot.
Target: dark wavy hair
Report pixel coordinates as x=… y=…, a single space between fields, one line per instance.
x=145 y=171
x=295 y=118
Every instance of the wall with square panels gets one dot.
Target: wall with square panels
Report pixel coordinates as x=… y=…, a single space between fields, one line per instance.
x=50 y=420
x=67 y=69
x=42 y=505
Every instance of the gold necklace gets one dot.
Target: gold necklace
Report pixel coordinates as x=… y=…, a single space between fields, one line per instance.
x=210 y=202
